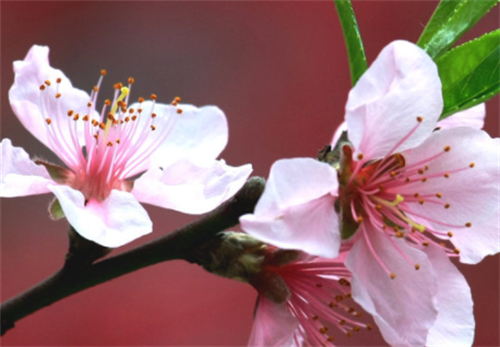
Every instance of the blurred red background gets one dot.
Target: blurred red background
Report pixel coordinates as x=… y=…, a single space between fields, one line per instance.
x=280 y=73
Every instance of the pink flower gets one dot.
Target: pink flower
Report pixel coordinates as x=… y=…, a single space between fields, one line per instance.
x=401 y=187
x=173 y=146
x=303 y=303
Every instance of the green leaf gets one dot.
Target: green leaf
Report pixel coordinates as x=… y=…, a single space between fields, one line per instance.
x=470 y=73
x=353 y=42
x=450 y=21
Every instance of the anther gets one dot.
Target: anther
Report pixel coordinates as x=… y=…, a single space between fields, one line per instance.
x=58 y=80
x=349 y=333
x=424 y=179
x=107 y=102
x=58 y=95
x=446 y=205
x=456 y=251
x=450 y=234
x=447 y=148
x=47 y=82
x=179 y=111
x=131 y=110
x=103 y=72
x=330 y=339
x=378 y=207
x=153 y=115
x=468 y=224
x=89 y=104
x=393 y=276
x=118 y=85
x=76 y=117
x=42 y=87
x=416 y=195
x=439 y=195
x=152 y=96
x=96 y=136
x=447 y=175
x=70 y=113
x=102 y=126
x=356 y=328
x=96 y=89
x=425 y=243
x=315 y=318
x=417 y=267
x=344 y=282
x=332 y=304
x=177 y=99
x=471 y=165
x=86 y=118
x=110 y=144
x=420 y=171
x=139 y=110
x=348 y=296
x=323 y=330
x=342 y=322
x=360 y=219
x=369 y=327
x=393 y=173
x=399 y=234
x=131 y=80
x=174 y=103
x=118 y=141
x=360 y=156
x=407 y=180
x=153 y=128
x=141 y=99
x=134 y=118
x=420 y=119
x=127 y=119
x=49 y=121
x=421 y=201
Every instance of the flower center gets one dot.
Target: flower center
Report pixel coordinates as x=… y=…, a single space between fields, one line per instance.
x=104 y=149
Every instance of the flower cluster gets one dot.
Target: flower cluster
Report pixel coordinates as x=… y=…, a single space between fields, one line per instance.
x=402 y=192
x=160 y=154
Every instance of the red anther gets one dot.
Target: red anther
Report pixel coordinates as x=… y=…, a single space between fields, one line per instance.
x=103 y=72
x=131 y=80
x=58 y=80
x=153 y=97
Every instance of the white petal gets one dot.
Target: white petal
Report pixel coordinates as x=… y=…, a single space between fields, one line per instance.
x=455 y=322
x=401 y=85
x=296 y=209
x=273 y=325
x=189 y=187
x=404 y=308
x=480 y=240
x=472 y=193
x=198 y=132
x=473 y=118
x=19 y=175
x=113 y=222
x=24 y=96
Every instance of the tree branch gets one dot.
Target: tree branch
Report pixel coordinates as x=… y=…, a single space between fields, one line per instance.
x=179 y=244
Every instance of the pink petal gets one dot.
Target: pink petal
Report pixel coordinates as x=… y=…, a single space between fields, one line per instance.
x=24 y=96
x=198 y=132
x=20 y=176
x=401 y=85
x=473 y=118
x=455 y=321
x=472 y=193
x=113 y=222
x=478 y=241
x=274 y=325
x=404 y=308
x=191 y=187
x=296 y=209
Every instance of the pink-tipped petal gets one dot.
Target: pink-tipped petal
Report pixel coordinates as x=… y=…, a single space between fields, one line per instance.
x=191 y=188
x=401 y=85
x=32 y=110
x=473 y=118
x=472 y=188
x=19 y=175
x=113 y=222
x=455 y=321
x=199 y=133
x=273 y=326
x=480 y=240
x=405 y=307
x=296 y=209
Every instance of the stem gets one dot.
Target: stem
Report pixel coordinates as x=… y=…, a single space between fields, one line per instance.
x=352 y=38
x=179 y=244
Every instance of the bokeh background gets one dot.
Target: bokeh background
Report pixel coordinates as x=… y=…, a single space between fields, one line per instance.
x=280 y=73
